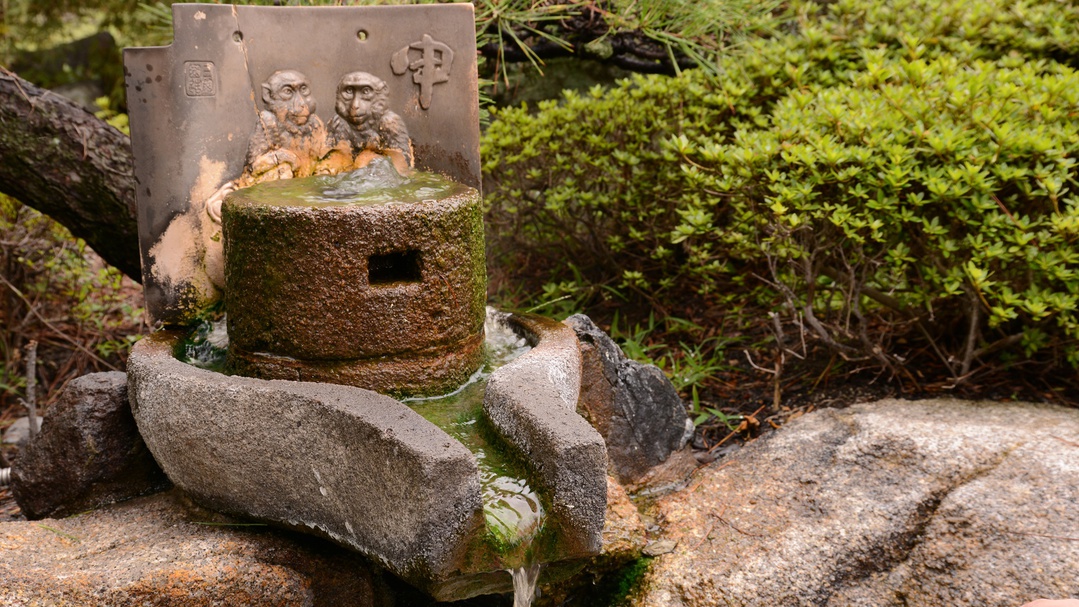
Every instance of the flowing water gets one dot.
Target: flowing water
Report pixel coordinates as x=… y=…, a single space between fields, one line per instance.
x=524 y=584
x=512 y=509
x=206 y=346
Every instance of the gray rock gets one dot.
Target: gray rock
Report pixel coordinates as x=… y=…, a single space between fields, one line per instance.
x=161 y=550
x=634 y=406
x=166 y=551
x=342 y=462
x=531 y=402
x=19 y=431
x=87 y=454
x=895 y=503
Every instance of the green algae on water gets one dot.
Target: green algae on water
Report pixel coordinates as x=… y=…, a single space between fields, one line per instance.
x=205 y=346
x=377 y=183
x=512 y=509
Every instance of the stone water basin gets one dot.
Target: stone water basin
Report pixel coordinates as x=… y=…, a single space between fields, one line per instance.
x=372 y=473
x=366 y=278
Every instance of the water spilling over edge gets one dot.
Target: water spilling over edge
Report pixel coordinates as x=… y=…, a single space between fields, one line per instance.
x=511 y=507
x=524 y=584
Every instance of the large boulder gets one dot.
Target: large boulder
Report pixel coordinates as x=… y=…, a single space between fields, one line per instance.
x=634 y=406
x=896 y=503
x=88 y=453
x=163 y=551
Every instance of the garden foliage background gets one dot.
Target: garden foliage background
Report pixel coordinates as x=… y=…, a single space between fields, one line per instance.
x=860 y=186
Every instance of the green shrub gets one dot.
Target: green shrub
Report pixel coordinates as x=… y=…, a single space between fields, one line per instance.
x=587 y=180
x=83 y=314
x=936 y=189
x=887 y=183
x=587 y=183
x=970 y=29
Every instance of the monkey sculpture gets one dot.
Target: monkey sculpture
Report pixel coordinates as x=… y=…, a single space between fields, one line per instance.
x=364 y=127
x=289 y=139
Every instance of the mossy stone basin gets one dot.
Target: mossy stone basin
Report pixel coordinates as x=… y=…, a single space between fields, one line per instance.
x=366 y=279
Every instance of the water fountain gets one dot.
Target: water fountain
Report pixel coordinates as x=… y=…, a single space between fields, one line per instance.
x=345 y=243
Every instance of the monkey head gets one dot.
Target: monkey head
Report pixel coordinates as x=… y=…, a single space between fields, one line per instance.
x=287 y=95
x=361 y=99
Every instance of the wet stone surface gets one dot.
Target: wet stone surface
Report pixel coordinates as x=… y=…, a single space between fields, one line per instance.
x=634 y=406
x=532 y=403
x=513 y=510
x=328 y=282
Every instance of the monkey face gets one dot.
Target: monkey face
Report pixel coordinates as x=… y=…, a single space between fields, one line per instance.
x=361 y=99
x=288 y=95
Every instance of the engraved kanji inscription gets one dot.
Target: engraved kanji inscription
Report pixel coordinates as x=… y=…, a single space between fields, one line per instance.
x=199 y=79
x=429 y=60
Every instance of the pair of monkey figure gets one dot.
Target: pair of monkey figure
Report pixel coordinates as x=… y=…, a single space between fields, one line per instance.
x=291 y=141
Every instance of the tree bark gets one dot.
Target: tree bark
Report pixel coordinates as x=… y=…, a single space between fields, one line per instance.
x=72 y=166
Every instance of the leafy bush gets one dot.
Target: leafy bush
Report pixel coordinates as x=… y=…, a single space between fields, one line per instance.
x=974 y=29
x=935 y=189
x=586 y=180
x=884 y=183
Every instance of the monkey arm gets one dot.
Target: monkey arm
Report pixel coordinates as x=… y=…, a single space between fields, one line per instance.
x=394 y=135
x=337 y=160
x=262 y=139
x=274 y=159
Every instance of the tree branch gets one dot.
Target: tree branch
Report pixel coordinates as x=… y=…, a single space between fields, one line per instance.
x=629 y=50
x=72 y=166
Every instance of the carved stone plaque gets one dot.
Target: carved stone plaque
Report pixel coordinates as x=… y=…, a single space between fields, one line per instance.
x=195 y=106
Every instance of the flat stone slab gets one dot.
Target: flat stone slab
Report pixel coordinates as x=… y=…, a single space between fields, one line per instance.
x=341 y=462
x=164 y=551
x=889 y=504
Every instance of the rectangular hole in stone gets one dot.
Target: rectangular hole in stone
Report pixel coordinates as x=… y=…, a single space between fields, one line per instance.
x=400 y=266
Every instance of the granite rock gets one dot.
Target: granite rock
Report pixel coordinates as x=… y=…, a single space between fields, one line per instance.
x=87 y=454
x=894 y=503
x=633 y=406
x=164 y=551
